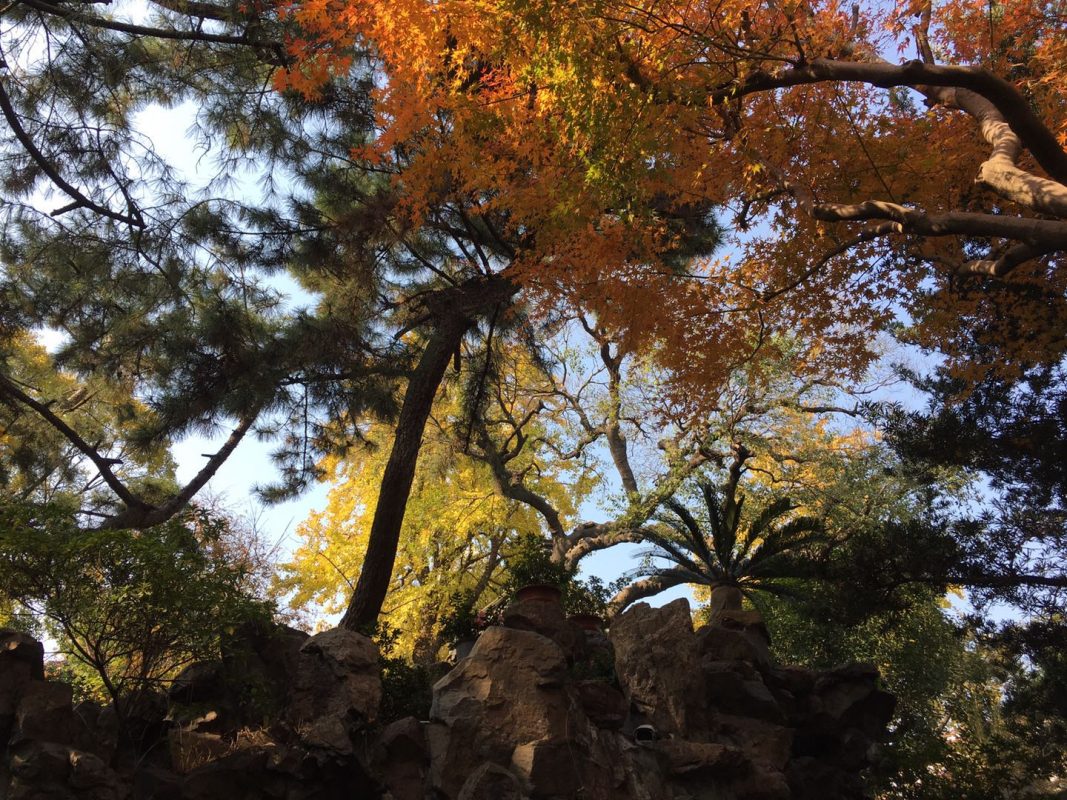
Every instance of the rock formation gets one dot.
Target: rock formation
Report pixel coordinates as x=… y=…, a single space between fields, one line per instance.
x=539 y=710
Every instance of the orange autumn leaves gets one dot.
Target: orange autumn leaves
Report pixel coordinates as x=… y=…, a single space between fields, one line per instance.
x=580 y=125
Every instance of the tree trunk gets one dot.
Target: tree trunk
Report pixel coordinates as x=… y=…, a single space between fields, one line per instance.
x=399 y=473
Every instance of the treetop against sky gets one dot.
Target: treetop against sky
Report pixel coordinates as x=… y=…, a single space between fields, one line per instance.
x=713 y=187
x=588 y=129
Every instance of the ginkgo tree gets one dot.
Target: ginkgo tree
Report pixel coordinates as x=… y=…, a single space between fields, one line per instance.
x=458 y=529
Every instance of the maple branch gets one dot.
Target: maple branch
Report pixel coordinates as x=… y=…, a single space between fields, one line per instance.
x=1005 y=263
x=612 y=427
x=1051 y=233
x=1005 y=98
x=867 y=235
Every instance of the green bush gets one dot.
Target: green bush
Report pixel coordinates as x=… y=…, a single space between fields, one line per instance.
x=530 y=564
x=135 y=607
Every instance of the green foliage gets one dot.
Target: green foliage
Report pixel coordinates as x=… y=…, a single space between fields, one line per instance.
x=590 y=596
x=407 y=688
x=460 y=623
x=530 y=564
x=133 y=606
x=726 y=549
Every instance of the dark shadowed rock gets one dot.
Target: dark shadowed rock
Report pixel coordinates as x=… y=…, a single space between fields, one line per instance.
x=658 y=664
x=546 y=618
x=45 y=713
x=508 y=692
x=703 y=759
x=404 y=759
x=736 y=636
x=202 y=682
x=50 y=769
x=605 y=705
x=491 y=782
x=259 y=662
x=336 y=690
x=21 y=661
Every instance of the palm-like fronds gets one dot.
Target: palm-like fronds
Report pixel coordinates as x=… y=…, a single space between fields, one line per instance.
x=721 y=550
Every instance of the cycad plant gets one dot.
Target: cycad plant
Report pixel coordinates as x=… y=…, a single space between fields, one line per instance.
x=730 y=554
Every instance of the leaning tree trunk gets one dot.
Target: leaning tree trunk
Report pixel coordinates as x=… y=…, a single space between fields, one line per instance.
x=454 y=310
x=377 y=571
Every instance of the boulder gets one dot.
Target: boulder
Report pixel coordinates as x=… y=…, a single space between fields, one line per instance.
x=42 y=770
x=404 y=759
x=491 y=782
x=849 y=696
x=20 y=655
x=507 y=693
x=45 y=713
x=736 y=636
x=604 y=704
x=336 y=690
x=549 y=768
x=21 y=662
x=546 y=618
x=702 y=759
x=203 y=682
x=259 y=661
x=762 y=742
x=657 y=661
x=736 y=687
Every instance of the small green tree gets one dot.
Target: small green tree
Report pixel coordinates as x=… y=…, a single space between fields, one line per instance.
x=134 y=607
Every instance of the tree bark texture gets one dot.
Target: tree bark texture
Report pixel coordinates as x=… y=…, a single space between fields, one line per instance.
x=374 y=577
x=454 y=311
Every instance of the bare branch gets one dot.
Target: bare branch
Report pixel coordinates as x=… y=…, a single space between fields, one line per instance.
x=647 y=587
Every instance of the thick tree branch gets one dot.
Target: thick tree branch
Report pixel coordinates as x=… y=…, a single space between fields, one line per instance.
x=1012 y=106
x=1050 y=233
x=146 y=517
x=646 y=587
x=143 y=30
x=1005 y=263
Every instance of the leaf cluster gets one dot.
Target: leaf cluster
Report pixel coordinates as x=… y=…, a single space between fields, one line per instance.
x=134 y=607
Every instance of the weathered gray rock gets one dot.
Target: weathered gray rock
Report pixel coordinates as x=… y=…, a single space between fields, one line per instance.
x=21 y=661
x=45 y=713
x=736 y=636
x=546 y=618
x=762 y=742
x=657 y=661
x=702 y=759
x=736 y=687
x=50 y=769
x=507 y=693
x=336 y=690
x=605 y=705
x=519 y=719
